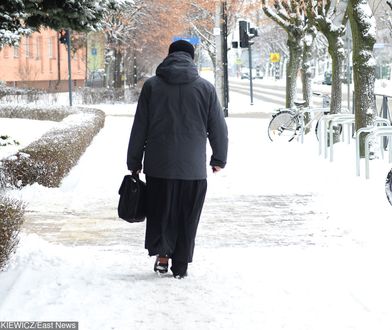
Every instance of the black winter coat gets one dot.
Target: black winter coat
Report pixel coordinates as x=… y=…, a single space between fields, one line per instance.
x=177 y=111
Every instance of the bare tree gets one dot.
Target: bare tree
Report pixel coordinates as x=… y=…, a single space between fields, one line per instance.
x=289 y=15
x=363 y=26
x=201 y=19
x=331 y=23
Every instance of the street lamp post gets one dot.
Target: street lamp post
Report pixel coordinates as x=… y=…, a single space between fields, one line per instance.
x=68 y=32
x=224 y=60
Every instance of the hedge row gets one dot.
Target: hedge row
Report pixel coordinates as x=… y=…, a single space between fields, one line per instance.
x=48 y=160
x=31 y=93
x=11 y=219
x=91 y=95
x=53 y=113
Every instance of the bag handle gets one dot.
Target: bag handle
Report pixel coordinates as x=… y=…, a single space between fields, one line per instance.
x=135 y=174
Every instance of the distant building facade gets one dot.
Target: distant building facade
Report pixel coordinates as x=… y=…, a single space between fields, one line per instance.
x=95 y=59
x=40 y=61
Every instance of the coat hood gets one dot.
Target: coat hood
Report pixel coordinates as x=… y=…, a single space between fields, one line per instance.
x=177 y=68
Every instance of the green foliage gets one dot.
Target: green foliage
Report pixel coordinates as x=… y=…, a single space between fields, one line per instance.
x=12 y=12
x=18 y=17
x=81 y=15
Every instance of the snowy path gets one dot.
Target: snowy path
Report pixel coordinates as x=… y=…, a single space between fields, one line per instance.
x=286 y=241
x=83 y=210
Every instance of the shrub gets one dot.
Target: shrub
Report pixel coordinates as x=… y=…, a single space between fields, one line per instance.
x=11 y=219
x=29 y=94
x=54 y=113
x=48 y=160
x=108 y=95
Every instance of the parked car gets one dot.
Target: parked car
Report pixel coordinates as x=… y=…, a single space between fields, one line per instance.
x=244 y=75
x=255 y=75
x=327 y=78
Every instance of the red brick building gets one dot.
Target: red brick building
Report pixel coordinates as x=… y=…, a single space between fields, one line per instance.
x=40 y=61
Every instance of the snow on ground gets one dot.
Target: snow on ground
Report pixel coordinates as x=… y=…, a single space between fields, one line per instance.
x=287 y=240
x=23 y=131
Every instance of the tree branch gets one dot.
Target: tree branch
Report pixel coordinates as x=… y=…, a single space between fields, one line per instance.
x=202 y=35
x=272 y=15
x=345 y=17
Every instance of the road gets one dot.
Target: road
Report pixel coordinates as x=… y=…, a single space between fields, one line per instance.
x=275 y=93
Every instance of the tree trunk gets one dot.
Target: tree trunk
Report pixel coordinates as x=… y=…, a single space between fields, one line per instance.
x=306 y=74
x=117 y=69
x=293 y=65
x=363 y=28
x=336 y=52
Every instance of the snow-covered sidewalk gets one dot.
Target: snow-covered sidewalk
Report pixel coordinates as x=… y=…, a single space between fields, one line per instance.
x=287 y=240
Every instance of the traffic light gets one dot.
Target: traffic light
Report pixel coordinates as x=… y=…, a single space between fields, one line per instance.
x=63 y=37
x=244 y=37
x=253 y=32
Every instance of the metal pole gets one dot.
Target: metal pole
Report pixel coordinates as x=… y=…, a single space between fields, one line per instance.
x=250 y=74
x=224 y=61
x=348 y=70
x=134 y=70
x=69 y=67
x=219 y=75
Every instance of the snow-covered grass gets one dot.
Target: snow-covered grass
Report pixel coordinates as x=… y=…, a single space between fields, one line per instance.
x=287 y=240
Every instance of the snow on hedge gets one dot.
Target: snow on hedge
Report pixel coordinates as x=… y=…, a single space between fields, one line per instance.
x=47 y=160
x=54 y=113
x=11 y=219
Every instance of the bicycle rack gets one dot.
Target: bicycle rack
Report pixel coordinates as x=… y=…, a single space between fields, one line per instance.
x=324 y=129
x=374 y=131
x=350 y=119
x=309 y=110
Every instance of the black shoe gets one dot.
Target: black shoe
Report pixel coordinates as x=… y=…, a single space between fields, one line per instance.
x=179 y=269
x=180 y=276
x=161 y=265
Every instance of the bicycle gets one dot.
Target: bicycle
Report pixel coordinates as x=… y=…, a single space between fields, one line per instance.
x=287 y=123
x=388 y=187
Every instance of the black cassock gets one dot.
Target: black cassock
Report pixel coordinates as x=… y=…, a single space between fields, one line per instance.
x=173 y=213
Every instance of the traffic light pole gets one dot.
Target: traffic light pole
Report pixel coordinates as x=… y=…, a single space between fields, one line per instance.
x=69 y=67
x=250 y=74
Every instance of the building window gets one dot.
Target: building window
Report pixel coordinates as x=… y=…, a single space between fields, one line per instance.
x=54 y=45
x=27 y=47
x=50 y=47
x=6 y=52
x=38 y=48
x=16 y=51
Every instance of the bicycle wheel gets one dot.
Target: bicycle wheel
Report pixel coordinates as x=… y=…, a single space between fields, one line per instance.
x=283 y=126
x=388 y=187
x=337 y=130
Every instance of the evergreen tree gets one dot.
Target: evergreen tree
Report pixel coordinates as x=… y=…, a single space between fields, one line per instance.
x=18 y=17
x=11 y=14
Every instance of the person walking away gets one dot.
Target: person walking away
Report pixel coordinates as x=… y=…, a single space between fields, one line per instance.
x=177 y=112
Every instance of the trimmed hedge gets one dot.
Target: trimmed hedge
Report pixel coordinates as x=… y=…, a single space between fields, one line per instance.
x=31 y=94
x=11 y=220
x=53 y=113
x=95 y=95
x=49 y=159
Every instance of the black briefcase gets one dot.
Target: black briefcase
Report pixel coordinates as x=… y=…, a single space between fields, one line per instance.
x=132 y=203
